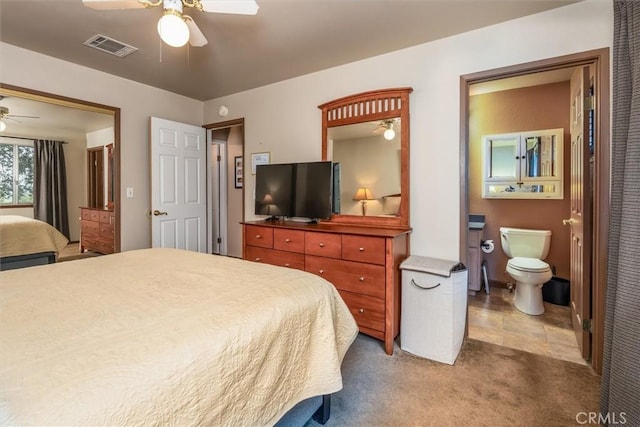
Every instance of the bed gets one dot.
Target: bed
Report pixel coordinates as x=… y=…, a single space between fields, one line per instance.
x=165 y=336
x=26 y=242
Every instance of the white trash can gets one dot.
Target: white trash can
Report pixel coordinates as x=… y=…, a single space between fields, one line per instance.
x=434 y=308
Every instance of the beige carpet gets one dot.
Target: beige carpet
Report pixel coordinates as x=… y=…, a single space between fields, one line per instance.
x=489 y=385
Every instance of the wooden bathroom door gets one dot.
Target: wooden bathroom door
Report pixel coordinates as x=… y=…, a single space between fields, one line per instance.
x=580 y=220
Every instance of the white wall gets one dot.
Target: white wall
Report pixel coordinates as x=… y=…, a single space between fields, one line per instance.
x=137 y=102
x=283 y=118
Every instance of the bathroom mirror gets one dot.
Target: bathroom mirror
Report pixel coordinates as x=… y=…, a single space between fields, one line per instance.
x=367 y=135
x=523 y=165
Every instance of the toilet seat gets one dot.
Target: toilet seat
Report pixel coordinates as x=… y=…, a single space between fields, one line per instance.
x=532 y=265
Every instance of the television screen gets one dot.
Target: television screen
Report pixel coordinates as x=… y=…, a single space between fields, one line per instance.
x=274 y=191
x=313 y=185
x=301 y=190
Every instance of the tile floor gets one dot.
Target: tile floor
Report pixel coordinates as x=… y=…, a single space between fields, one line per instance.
x=493 y=318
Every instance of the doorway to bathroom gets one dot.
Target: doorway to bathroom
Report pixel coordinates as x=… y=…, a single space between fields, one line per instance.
x=514 y=100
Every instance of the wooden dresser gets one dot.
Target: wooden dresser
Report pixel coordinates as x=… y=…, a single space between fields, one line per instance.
x=361 y=261
x=97 y=228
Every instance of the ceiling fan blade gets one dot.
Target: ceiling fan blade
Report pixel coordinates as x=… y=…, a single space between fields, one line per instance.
x=113 y=4
x=239 y=7
x=196 y=38
x=22 y=117
x=379 y=130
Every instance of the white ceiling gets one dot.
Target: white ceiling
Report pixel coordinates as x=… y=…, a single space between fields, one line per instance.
x=287 y=38
x=52 y=121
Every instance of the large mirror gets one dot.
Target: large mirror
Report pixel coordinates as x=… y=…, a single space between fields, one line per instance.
x=367 y=137
x=90 y=135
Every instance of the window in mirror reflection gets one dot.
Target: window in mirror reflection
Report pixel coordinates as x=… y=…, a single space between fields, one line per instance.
x=368 y=160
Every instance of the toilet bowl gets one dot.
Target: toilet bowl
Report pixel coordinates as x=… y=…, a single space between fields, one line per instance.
x=526 y=250
x=530 y=274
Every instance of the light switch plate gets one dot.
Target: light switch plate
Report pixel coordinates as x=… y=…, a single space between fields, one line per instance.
x=129 y=192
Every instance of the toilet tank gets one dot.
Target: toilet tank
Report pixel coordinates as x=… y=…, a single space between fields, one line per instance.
x=521 y=242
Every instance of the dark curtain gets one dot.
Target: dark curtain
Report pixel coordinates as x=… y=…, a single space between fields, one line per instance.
x=50 y=185
x=620 y=397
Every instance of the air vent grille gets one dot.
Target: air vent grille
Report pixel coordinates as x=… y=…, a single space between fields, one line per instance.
x=110 y=45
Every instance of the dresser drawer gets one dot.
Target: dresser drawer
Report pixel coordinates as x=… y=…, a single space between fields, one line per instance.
x=363 y=249
x=106 y=217
x=106 y=230
x=323 y=244
x=274 y=257
x=368 y=311
x=89 y=227
x=288 y=240
x=259 y=236
x=367 y=279
x=85 y=214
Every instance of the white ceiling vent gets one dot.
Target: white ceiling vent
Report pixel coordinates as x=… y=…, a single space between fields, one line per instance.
x=110 y=45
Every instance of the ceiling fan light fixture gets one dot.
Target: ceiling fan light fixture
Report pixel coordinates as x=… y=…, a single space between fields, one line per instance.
x=389 y=134
x=3 y=126
x=173 y=29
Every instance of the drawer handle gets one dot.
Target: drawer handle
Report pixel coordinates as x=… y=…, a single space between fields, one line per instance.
x=361 y=249
x=321 y=245
x=361 y=310
x=286 y=265
x=287 y=240
x=362 y=278
x=321 y=271
x=258 y=259
x=258 y=236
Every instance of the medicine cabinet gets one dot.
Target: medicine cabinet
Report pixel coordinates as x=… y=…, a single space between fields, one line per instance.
x=523 y=165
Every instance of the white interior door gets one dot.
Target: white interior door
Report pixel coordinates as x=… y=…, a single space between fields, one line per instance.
x=217 y=197
x=178 y=185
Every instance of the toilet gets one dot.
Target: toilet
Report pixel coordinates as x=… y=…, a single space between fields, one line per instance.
x=526 y=250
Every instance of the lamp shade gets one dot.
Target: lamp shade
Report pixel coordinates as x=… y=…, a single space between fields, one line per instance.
x=172 y=29
x=363 y=193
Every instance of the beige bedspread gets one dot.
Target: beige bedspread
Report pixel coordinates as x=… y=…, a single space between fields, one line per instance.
x=20 y=235
x=164 y=336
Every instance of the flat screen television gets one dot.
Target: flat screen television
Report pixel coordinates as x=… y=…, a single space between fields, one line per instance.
x=300 y=190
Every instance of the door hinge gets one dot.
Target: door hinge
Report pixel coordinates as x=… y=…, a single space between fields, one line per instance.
x=219 y=240
x=586 y=325
x=589 y=103
x=219 y=157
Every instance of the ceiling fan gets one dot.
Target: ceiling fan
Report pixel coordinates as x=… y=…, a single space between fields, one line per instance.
x=4 y=115
x=386 y=127
x=174 y=27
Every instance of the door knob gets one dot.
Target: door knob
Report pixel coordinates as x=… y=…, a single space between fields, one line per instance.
x=569 y=221
x=158 y=213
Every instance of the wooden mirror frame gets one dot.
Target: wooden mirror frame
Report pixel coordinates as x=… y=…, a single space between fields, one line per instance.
x=365 y=107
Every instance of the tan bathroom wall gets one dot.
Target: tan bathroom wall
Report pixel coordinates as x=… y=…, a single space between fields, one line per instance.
x=533 y=108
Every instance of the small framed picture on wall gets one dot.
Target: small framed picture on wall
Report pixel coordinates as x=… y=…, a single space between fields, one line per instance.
x=259 y=159
x=238 y=162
